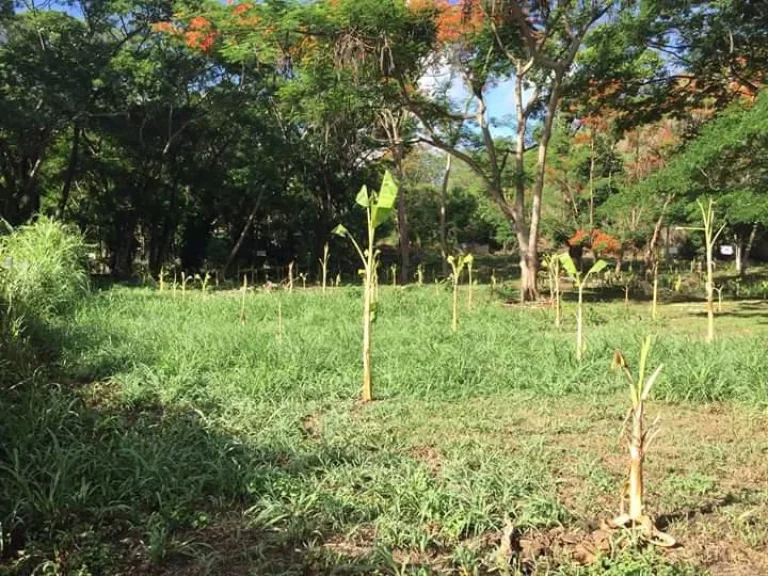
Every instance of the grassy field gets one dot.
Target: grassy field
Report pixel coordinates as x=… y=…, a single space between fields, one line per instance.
x=176 y=440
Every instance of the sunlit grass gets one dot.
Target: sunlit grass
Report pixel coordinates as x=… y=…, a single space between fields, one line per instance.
x=175 y=425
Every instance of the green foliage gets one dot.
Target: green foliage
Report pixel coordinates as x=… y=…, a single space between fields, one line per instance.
x=579 y=278
x=43 y=269
x=196 y=422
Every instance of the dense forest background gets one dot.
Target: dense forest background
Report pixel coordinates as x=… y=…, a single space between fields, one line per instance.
x=201 y=135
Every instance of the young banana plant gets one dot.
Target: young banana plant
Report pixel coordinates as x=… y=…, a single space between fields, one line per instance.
x=457 y=267
x=469 y=259
x=420 y=275
x=580 y=281
x=552 y=265
x=378 y=206
x=639 y=439
x=711 y=236
x=324 y=266
x=244 y=291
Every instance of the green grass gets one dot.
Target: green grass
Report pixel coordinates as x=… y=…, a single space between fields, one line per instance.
x=176 y=440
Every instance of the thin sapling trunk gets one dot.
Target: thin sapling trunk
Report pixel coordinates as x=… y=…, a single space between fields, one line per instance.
x=379 y=207
x=324 y=266
x=580 y=281
x=710 y=239
x=242 y=302
x=457 y=267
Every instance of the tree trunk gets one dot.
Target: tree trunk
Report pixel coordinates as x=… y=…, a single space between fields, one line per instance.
x=124 y=249
x=405 y=243
x=651 y=250
x=70 y=174
x=742 y=256
x=592 y=181
x=236 y=248
x=443 y=208
x=528 y=257
x=529 y=290
x=529 y=267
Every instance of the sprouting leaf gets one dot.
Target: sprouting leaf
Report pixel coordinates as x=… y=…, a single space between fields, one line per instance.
x=619 y=361
x=386 y=200
x=569 y=265
x=362 y=197
x=469 y=259
x=340 y=230
x=451 y=259
x=650 y=382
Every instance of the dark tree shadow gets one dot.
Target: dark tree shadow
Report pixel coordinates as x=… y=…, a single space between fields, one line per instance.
x=90 y=481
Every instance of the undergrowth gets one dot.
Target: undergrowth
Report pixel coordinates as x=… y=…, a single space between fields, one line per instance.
x=166 y=431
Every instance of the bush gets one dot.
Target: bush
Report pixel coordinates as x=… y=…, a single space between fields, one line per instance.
x=43 y=269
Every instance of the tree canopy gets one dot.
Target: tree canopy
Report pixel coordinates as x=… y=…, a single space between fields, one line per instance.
x=200 y=134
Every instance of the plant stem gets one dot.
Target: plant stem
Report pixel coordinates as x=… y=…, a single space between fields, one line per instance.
x=579 y=325
x=469 y=298
x=367 y=324
x=455 y=317
x=636 y=464
x=654 y=307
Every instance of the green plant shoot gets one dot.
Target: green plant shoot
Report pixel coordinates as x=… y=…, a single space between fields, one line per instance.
x=457 y=267
x=580 y=281
x=638 y=441
x=378 y=207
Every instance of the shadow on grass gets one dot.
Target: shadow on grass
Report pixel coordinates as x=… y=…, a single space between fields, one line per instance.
x=90 y=483
x=664 y=521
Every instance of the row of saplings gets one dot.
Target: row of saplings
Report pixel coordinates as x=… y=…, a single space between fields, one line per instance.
x=379 y=206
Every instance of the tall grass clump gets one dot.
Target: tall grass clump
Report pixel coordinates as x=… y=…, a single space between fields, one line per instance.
x=42 y=274
x=43 y=268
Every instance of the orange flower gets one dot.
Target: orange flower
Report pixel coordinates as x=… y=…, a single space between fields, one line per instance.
x=603 y=243
x=240 y=8
x=579 y=238
x=208 y=41
x=199 y=23
x=456 y=20
x=193 y=38
x=162 y=27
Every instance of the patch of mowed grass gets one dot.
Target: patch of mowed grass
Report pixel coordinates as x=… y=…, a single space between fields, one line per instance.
x=178 y=432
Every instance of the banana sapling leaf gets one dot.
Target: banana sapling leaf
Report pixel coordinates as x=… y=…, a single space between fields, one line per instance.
x=569 y=266
x=385 y=202
x=340 y=230
x=362 y=198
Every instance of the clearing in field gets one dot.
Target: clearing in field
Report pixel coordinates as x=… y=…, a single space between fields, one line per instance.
x=461 y=287
x=184 y=441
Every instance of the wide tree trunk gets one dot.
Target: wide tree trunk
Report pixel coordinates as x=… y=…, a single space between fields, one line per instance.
x=69 y=176
x=743 y=251
x=650 y=252
x=443 y=214
x=123 y=249
x=405 y=241
x=243 y=234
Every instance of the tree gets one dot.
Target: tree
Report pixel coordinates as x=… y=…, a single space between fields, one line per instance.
x=535 y=46
x=726 y=161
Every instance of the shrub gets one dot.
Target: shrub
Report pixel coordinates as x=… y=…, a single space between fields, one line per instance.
x=42 y=272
